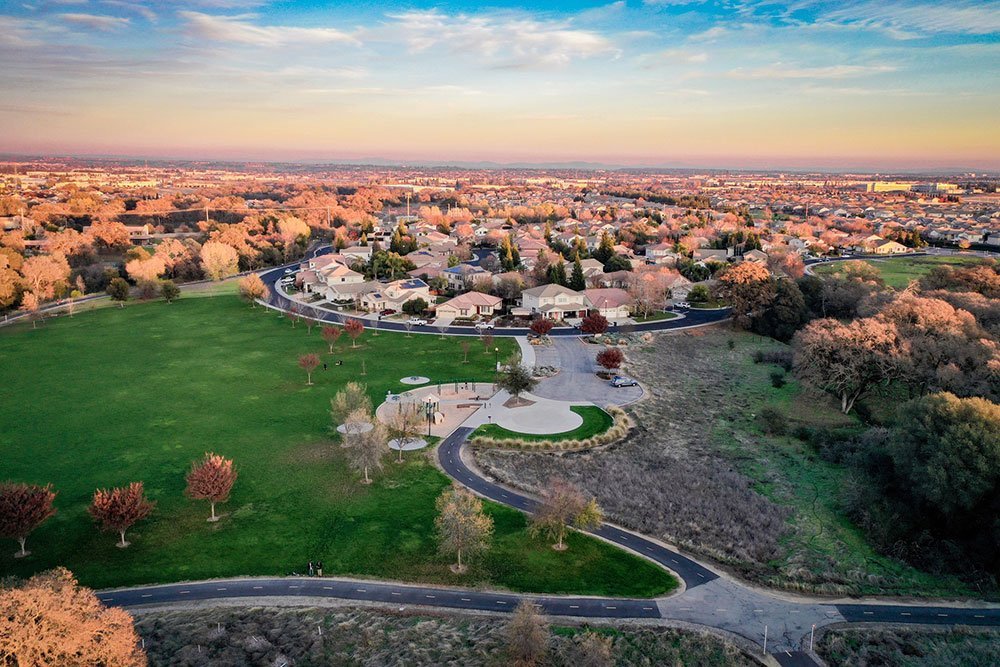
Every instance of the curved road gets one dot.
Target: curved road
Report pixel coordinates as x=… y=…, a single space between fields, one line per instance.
x=278 y=301
x=707 y=598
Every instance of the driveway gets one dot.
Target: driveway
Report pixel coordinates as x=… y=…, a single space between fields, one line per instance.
x=576 y=381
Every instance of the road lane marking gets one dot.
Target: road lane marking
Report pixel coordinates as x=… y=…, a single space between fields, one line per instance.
x=361 y=590
x=147 y=595
x=429 y=596
x=501 y=602
x=758 y=611
x=647 y=609
x=701 y=575
x=394 y=593
x=328 y=588
x=574 y=606
x=257 y=588
x=905 y=613
x=869 y=613
x=106 y=599
x=979 y=616
x=465 y=599
x=674 y=560
x=220 y=589
x=293 y=586
x=721 y=610
x=611 y=607
x=943 y=615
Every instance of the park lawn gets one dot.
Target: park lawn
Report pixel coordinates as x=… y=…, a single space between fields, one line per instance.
x=791 y=472
x=120 y=395
x=595 y=420
x=658 y=316
x=898 y=272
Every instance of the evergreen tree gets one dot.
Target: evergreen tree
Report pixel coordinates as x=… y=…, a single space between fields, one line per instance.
x=577 y=281
x=605 y=250
x=557 y=273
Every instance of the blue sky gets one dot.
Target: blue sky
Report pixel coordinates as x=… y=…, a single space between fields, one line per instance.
x=867 y=83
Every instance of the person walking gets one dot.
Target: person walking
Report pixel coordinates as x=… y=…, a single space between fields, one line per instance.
x=312 y=571
x=319 y=568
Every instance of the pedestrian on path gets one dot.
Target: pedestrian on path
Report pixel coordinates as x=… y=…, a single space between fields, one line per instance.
x=319 y=568
x=312 y=570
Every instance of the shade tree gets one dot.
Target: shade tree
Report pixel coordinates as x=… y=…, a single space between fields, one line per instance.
x=365 y=448
x=354 y=328
x=463 y=528
x=594 y=323
x=308 y=363
x=24 y=507
x=610 y=358
x=331 y=335
x=118 y=509
x=564 y=505
x=252 y=288
x=527 y=636
x=51 y=620
x=211 y=479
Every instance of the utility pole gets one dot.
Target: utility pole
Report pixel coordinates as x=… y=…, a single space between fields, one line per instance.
x=206 y=215
x=811 y=634
x=765 y=640
x=408 y=204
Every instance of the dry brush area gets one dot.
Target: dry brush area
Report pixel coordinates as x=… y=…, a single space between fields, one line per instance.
x=352 y=636
x=707 y=468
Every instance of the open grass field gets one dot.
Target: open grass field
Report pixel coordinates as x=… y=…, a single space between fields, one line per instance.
x=898 y=272
x=119 y=395
x=595 y=420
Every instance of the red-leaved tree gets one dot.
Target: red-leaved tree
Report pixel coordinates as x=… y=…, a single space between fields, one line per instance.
x=23 y=507
x=595 y=323
x=211 y=479
x=331 y=335
x=308 y=363
x=116 y=510
x=354 y=328
x=541 y=327
x=611 y=358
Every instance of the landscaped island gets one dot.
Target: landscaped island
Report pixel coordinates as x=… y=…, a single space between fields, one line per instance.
x=137 y=394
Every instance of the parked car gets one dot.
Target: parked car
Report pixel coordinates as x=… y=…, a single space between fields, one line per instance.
x=287 y=271
x=682 y=304
x=622 y=381
x=482 y=326
x=417 y=321
x=387 y=311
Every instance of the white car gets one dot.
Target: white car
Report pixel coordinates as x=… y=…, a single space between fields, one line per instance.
x=417 y=322
x=484 y=325
x=287 y=271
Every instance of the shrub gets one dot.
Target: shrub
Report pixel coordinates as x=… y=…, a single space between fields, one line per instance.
x=778 y=379
x=772 y=422
x=779 y=357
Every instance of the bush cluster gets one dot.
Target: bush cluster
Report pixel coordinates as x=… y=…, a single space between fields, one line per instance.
x=621 y=427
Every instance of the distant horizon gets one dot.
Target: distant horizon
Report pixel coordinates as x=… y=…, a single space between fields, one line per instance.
x=943 y=169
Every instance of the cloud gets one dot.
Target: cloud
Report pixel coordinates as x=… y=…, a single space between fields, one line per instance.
x=712 y=33
x=510 y=41
x=680 y=56
x=782 y=71
x=96 y=21
x=239 y=30
x=953 y=17
x=133 y=7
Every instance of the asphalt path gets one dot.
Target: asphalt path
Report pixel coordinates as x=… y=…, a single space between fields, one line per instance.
x=450 y=457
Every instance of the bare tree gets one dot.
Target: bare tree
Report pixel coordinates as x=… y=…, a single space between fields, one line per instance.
x=593 y=650
x=24 y=507
x=465 y=344
x=365 y=448
x=462 y=526
x=211 y=479
x=404 y=425
x=351 y=398
x=527 y=636
x=563 y=505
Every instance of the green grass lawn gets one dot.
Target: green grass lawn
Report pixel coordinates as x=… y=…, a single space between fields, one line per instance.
x=898 y=272
x=595 y=420
x=117 y=395
x=658 y=316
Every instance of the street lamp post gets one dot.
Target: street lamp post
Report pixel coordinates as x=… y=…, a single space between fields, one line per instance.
x=429 y=412
x=496 y=359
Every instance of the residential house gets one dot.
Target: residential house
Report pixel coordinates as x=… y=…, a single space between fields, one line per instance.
x=464 y=276
x=611 y=302
x=469 y=305
x=554 y=302
x=393 y=295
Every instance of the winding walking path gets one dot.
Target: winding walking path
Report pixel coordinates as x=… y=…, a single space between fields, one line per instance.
x=707 y=598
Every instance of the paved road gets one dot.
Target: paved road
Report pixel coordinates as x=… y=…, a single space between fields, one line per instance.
x=276 y=300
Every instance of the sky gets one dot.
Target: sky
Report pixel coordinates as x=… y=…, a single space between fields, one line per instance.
x=874 y=84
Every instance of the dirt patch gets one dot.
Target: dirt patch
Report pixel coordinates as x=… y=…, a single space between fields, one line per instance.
x=518 y=403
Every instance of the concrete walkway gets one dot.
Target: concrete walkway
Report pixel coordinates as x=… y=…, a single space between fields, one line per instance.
x=541 y=417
